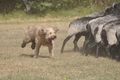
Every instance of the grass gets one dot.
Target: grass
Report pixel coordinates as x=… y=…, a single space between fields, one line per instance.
x=17 y=63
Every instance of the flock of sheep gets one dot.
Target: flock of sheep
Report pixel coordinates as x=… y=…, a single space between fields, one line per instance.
x=101 y=31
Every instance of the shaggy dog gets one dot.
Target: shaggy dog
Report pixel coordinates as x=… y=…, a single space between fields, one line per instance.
x=39 y=36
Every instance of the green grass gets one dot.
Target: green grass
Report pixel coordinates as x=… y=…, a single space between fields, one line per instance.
x=17 y=63
x=16 y=15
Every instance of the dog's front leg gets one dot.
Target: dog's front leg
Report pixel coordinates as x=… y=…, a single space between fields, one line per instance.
x=37 y=50
x=26 y=40
x=51 y=51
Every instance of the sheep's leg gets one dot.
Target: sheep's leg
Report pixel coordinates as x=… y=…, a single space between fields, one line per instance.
x=85 y=45
x=77 y=37
x=114 y=51
x=64 y=42
x=88 y=40
x=97 y=51
x=108 y=50
x=99 y=45
x=119 y=55
x=90 y=48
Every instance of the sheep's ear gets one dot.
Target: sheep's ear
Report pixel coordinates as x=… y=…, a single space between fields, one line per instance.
x=56 y=29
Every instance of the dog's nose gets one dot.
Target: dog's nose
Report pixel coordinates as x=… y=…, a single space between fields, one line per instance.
x=54 y=37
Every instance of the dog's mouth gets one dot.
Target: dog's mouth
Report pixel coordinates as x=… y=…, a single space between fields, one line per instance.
x=52 y=40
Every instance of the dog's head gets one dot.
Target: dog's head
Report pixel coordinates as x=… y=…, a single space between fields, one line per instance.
x=50 y=34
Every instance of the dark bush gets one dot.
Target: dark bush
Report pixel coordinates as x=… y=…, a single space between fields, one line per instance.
x=7 y=6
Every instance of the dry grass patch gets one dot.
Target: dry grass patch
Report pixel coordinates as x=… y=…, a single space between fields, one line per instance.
x=17 y=63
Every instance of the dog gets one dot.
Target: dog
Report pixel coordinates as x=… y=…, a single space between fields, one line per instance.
x=39 y=36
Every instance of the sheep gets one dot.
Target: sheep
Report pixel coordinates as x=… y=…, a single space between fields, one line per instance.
x=108 y=36
x=78 y=28
x=118 y=43
x=93 y=27
x=96 y=24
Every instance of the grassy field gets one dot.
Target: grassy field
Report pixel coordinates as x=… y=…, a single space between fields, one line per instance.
x=17 y=63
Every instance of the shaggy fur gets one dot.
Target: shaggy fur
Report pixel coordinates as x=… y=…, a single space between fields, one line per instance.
x=39 y=36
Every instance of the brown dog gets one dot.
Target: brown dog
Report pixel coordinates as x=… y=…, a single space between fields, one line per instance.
x=40 y=36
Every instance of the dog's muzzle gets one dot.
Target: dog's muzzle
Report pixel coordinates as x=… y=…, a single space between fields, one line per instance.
x=52 y=39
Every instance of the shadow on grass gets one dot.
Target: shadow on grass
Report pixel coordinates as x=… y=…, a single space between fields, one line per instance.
x=27 y=55
x=102 y=52
x=31 y=55
x=72 y=50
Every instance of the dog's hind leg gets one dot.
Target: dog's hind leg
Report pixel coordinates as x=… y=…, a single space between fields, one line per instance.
x=37 y=50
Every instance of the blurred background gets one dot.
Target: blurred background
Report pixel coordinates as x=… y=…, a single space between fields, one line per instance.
x=53 y=8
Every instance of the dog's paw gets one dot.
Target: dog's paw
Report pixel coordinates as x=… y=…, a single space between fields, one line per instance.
x=23 y=45
x=33 y=46
x=35 y=57
x=51 y=57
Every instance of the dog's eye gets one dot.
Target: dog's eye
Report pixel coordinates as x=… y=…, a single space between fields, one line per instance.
x=50 y=33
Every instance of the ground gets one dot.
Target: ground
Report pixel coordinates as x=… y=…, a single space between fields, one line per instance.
x=17 y=63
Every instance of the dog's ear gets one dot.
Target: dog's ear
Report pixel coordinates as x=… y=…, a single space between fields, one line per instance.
x=43 y=30
x=55 y=29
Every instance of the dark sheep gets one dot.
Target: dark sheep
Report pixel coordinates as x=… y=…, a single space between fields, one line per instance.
x=116 y=6
x=78 y=28
x=108 y=36
x=95 y=27
x=118 y=44
x=118 y=34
